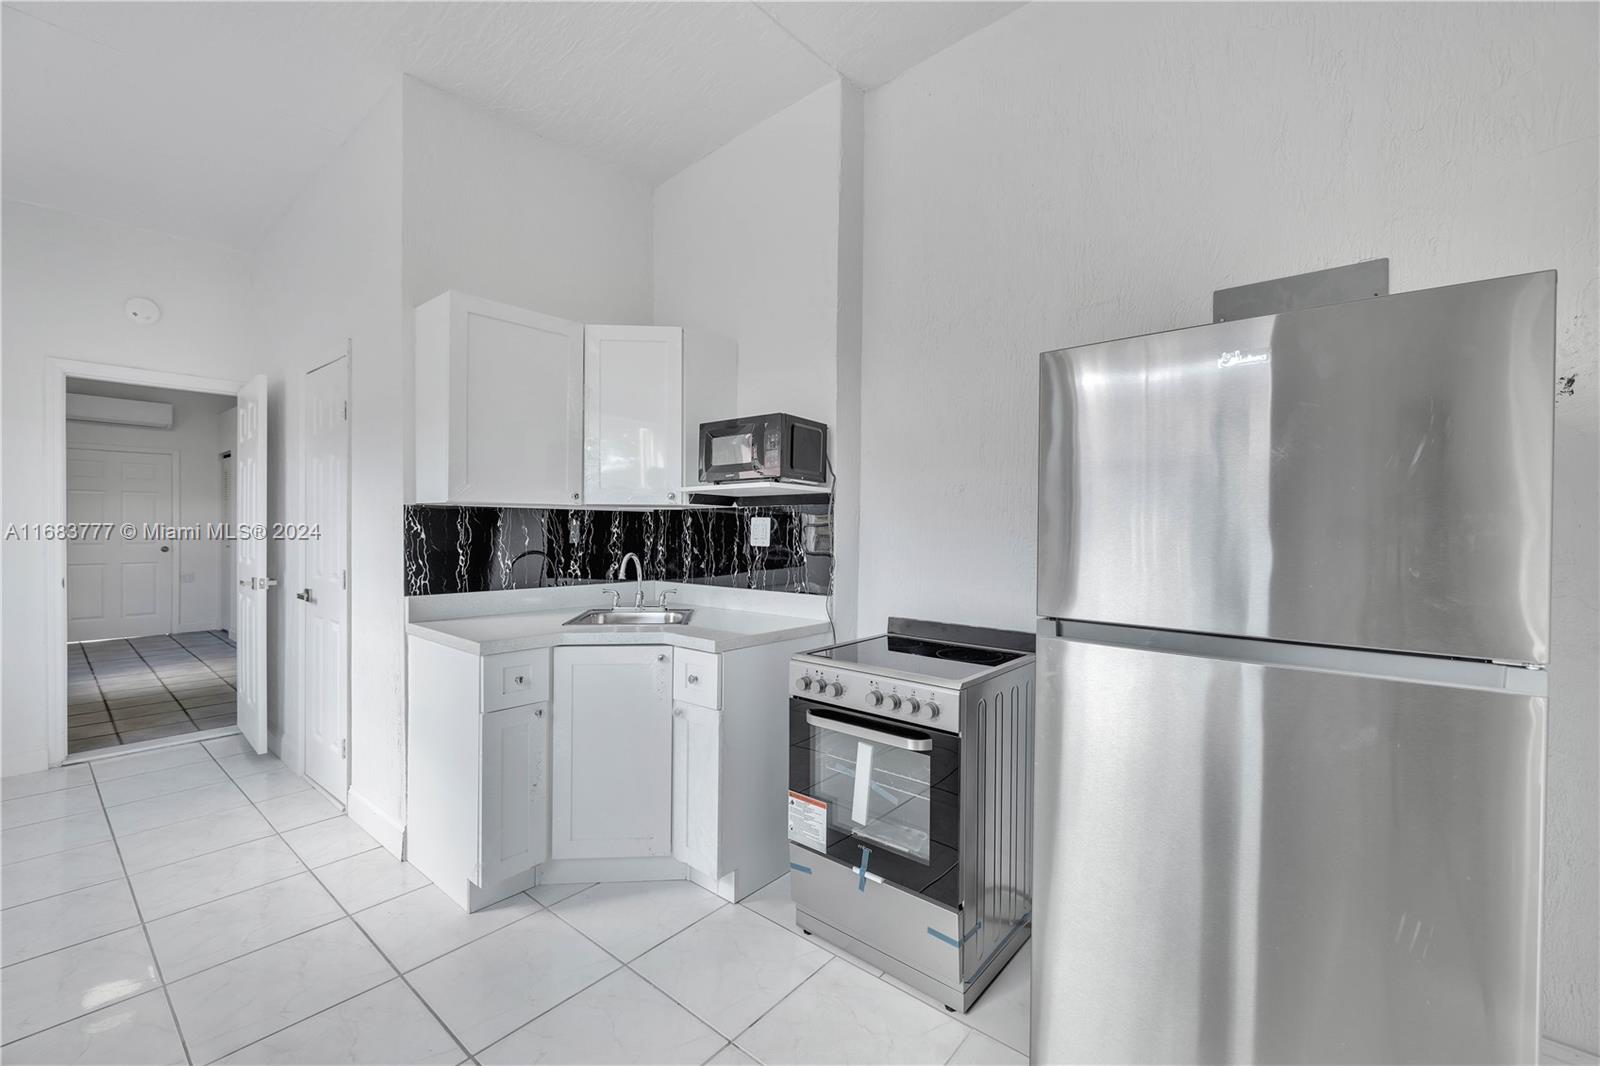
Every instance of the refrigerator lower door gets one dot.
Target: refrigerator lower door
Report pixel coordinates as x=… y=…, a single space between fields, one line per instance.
x=1238 y=862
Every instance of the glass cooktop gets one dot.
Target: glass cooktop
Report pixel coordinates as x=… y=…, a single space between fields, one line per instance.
x=914 y=655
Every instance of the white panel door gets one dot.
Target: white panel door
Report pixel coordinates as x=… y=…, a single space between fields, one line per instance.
x=633 y=429
x=119 y=586
x=696 y=787
x=611 y=752
x=514 y=814
x=324 y=599
x=250 y=560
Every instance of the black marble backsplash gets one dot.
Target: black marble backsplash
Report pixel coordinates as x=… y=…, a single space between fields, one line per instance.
x=479 y=549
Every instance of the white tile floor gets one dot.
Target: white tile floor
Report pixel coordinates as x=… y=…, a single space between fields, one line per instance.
x=148 y=688
x=199 y=904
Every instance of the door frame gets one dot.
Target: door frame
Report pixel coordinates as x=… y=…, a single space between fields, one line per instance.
x=54 y=467
x=303 y=434
x=177 y=509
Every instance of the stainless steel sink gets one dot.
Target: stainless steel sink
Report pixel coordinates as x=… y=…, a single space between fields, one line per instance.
x=648 y=616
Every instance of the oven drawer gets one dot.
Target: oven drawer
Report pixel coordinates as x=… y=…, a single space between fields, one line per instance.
x=695 y=678
x=516 y=677
x=910 y=928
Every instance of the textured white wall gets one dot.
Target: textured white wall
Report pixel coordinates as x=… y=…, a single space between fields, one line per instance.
x=747 y=245
x=328 y=272
x=1078 y=172
x=497 y=211
x=196 y=437
x=761 y=241
x=65 y=280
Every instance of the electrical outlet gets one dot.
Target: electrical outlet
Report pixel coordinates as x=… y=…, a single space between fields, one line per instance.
x=760 y=532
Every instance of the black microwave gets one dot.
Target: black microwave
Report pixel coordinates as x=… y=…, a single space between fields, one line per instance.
x=764 y=446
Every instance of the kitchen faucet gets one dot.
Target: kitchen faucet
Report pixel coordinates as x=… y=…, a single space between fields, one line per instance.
x=638 y=573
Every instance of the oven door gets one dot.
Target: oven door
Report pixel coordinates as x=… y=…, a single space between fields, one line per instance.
x=878 y=795
x=733 y=449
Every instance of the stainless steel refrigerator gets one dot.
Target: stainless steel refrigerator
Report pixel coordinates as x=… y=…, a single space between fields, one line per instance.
x=1293 y=587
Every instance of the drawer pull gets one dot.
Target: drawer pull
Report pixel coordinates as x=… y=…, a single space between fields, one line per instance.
x=520 y=679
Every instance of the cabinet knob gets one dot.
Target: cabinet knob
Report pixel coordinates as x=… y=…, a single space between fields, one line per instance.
x=677 y=712
x=520 y=679
x=574 y=495
x=670 y=496
x=661 y=658
x=538 y=712
x=694 y=679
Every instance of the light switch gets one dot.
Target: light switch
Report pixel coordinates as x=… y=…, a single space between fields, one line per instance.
x=760 y=532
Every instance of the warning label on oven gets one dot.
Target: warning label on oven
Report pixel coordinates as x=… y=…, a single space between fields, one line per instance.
x=808 y=821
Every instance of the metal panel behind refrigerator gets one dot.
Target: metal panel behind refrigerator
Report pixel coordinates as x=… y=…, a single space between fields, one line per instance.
x=1294 y=588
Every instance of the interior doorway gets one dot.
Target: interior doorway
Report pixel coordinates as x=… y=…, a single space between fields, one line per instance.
x=147 y=656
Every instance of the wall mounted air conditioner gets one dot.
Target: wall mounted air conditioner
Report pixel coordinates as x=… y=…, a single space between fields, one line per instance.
x=81 y=408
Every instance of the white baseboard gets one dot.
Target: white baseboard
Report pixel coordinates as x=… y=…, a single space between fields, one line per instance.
x=23 y=761
x=1556 y=1052
x=384 y=829
x=576 y=871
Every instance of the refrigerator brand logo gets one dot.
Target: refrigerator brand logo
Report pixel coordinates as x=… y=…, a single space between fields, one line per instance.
x=1242 y=358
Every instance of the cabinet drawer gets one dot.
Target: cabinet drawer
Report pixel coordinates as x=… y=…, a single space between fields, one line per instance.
x=694 y=677
x=515 y=678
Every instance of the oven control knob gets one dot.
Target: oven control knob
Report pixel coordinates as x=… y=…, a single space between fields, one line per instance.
x=914 y=705
x=805 y=684
x=894 y=702
x=875 y=698
x=933 y=710
x=836 y=690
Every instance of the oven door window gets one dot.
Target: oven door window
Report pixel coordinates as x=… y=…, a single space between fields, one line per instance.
x=886 y=787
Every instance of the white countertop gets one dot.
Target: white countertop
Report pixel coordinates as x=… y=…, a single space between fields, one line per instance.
x=712 y=629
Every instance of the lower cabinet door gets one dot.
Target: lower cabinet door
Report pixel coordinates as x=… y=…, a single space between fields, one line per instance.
x=611 y=752
x=514 y=812
x=696 y=787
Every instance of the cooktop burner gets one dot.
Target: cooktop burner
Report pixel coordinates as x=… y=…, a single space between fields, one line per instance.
x=916 y=655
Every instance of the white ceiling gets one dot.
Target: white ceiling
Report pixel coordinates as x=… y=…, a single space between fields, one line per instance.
x=205 y=119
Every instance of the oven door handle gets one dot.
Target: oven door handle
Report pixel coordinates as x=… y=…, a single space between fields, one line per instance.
x=847 y=726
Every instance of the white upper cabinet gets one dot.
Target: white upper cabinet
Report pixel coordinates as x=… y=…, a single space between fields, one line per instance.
x=499 y=404
x=646 y=389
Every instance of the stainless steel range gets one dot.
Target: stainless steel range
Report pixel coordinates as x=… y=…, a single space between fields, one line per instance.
x=911 y=803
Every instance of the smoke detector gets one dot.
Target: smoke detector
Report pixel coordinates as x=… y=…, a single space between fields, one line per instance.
x=143 y=311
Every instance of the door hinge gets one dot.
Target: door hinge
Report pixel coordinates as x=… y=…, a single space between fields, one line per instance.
x=344 y=748
x=344 y=579
x=347 y=410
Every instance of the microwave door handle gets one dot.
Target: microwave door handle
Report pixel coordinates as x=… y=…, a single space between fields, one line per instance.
x=861 y=732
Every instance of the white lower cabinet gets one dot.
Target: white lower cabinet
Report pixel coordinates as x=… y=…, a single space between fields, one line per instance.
x=611 y=767
x=592 y=763
x=696 y=788
x=513 y=799
x=478 y=801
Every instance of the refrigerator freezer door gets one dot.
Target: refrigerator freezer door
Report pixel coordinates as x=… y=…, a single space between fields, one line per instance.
x=1373 y=474
x=1246 y=863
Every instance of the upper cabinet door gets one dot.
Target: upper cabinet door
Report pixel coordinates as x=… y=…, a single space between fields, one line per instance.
x=498 y=404
x=633 y=437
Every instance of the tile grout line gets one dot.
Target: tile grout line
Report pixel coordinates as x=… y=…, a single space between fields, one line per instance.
x=345 y=911
x=163 y=682
x=149 y=944
x=93 y=673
